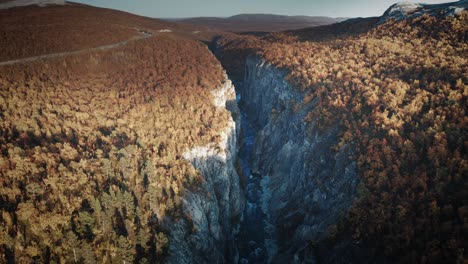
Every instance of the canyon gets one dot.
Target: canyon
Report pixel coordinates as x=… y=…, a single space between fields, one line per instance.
x=298 y=180
x=264 y=217
x=307 y=185
x=301 y=146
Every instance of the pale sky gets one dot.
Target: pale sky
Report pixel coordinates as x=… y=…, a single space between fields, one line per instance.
x=223 y=8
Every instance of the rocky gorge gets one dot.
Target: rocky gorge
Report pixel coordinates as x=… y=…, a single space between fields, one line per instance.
x=276 y=187
x=216 y=206
x=294 y=188
x=307 y=186
x=341 y=143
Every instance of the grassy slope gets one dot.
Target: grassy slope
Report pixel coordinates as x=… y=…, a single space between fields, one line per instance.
x=32 y=30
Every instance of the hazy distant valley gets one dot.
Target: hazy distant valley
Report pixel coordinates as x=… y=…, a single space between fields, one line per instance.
x=250 y=139
x=259 y=23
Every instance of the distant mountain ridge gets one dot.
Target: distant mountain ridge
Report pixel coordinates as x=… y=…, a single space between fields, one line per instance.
x=260 y=22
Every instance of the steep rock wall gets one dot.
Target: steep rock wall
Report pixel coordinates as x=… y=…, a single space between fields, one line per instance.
x=218 y=203
x=310 y=185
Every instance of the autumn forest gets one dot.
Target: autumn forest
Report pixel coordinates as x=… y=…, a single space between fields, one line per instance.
x=92 y=142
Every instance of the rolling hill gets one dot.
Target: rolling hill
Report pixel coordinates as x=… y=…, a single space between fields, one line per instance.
x=33 y=30
x=260 y=22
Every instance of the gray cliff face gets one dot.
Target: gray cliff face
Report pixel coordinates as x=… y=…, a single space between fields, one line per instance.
x=217 y=204
x=310 y=185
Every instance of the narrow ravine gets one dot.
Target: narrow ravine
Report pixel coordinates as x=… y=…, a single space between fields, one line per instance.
x=254 y=237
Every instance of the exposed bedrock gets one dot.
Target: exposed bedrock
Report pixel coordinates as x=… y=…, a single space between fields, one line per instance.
x=216 y=206
x=310 y=185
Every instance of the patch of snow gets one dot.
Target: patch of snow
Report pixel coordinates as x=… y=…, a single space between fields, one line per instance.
x=41 y=3
x=453 y=11
x=224 y=94
x=212 y=150
x=165 y=30
x=218 y=151
x=195 y=32
x=406 y=10
x=400 y=11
